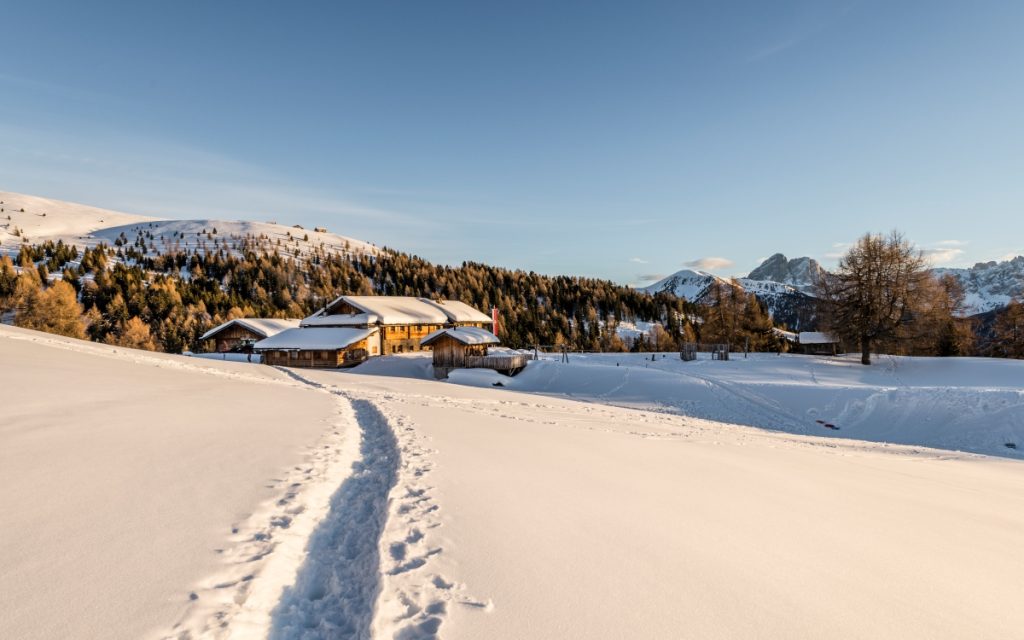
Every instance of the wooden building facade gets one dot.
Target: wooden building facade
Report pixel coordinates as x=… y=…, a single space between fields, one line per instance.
x=402 y=321
x=239 y=335
x=467 y=348
x=318 y=347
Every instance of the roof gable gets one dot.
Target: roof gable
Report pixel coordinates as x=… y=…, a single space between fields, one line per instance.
x=264 y=327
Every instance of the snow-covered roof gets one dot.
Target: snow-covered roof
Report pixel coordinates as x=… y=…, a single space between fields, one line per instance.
x=340 y=320
x=817 y=337
x=264 y=327
x=308 y=338
x=409 y=310
x=465 y=335
x=458 y=311
x=788 y=335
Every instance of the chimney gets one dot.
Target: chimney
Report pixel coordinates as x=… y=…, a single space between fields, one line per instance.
x=494 y=320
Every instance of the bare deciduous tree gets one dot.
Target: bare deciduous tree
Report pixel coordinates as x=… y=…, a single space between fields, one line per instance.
x=877 y=288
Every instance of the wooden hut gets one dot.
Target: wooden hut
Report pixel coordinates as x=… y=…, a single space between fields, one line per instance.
x=240 y=334
x=818 y=343
x=317 y=347
x=467 y=348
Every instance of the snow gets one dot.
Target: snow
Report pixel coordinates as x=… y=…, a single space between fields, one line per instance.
x=312 y=338
x=341 y=320
x=265 y=327
x=86 y=227
x=124 y=471
x=228 y=357
x=68 y=221
x=816 y=337
x=688 y=283
x=958 y=404
x=543 y=517
x=396 y=309
x=458 y=311
x=404 y=310
x=151 y=495
x=465 y=335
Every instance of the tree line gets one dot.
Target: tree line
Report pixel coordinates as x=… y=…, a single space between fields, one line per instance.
x=882 y=297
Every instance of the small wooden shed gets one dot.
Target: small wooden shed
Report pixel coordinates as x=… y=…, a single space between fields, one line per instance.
x=240 y=334
x=819 y=343
x=467 y=348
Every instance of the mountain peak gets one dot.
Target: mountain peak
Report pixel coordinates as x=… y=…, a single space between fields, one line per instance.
x=800 y=273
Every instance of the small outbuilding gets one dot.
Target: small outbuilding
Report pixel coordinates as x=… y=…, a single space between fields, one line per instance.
x=467 y=348
x=239 y=335
x=819 y=343
x=317 y=347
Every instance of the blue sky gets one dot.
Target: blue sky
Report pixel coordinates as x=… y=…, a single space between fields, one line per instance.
x=621 y=140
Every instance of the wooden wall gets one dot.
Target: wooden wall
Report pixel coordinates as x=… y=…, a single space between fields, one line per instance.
x=229 y=338
x=318 y=358
x=449 y=352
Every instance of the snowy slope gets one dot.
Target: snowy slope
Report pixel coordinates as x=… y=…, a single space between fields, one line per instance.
x=691 y=284
x=132 y=477
x=150 y=495
x=86 y=226
x=542 y=517
x=167 y=236
x=44 y=219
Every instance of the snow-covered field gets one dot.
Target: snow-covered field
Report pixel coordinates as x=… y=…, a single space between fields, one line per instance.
x=150 y=495
x=960 y=404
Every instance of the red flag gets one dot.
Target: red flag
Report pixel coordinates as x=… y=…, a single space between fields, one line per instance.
x=494 y=320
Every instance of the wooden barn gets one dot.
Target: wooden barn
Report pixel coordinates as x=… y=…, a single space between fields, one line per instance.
x=402 y=321
x=240 y=334
x=467 y=348
x=317 y=347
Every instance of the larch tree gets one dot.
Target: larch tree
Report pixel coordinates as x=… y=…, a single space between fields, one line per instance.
x=54 y=310
x=878 y=287
x=1009 y=331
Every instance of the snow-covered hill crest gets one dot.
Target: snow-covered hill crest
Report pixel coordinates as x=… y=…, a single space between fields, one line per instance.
x=35 y=220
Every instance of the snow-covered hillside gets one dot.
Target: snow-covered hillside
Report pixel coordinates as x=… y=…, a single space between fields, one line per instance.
x=32 y=219
x=150 y=495
x=37 y=220
x=169 y=236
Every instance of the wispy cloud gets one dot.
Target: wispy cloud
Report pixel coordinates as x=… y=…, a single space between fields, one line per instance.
x=811 y=21
x=710 y=263
x=644 y=279
x=638 y=260
x=940 y=256
x=951 y=243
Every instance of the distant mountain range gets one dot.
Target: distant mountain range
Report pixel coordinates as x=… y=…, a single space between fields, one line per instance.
x=787 y=286
x=989 y=285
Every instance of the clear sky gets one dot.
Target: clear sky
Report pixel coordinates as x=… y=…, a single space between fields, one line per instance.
x=622 y=140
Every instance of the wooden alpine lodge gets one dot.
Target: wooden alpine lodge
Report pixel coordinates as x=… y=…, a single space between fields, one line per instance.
x=353 y=328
